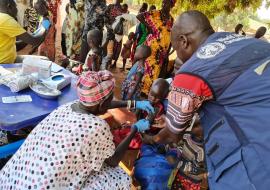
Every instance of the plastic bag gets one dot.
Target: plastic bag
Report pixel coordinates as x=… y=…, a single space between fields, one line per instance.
x=119 y=28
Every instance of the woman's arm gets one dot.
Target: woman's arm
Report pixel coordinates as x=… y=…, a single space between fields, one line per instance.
x=121 y=149
x=140 y=126
x=118 y=104
x=142 y=105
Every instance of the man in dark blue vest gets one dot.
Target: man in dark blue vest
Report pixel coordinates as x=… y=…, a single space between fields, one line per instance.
x=226 y=78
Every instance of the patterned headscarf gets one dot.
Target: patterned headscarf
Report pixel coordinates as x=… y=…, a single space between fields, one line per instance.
x=94 y=87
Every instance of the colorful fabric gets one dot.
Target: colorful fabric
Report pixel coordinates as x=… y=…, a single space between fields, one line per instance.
x=47 y=48
x=186 y=96
x=31 y=19
x=143 y=34
x=21 y=6
x=183 y=183
x=130 y=82
x=192 y=158
x=92 y=58
x=62 y=152
x=94 y=87
x=120 y=134
x=94 y=15
x=53 y=6
x=74 y=30
x=159 y=42
x=112 y=11
x=9 y=29
x=3 y=137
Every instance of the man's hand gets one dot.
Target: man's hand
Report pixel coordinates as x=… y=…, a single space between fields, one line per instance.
x=146 y=106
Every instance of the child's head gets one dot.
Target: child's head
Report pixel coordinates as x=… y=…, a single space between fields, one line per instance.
x=260 y=32
x=131 y=36
x=125 y=8
x=143 y=8
x=41 y=7
x=159 y=91
x=152 y=8
x=10 y=7
x=94 y=38
x=142 y=52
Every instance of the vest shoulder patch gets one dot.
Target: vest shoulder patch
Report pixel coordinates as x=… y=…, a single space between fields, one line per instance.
x=210 y=50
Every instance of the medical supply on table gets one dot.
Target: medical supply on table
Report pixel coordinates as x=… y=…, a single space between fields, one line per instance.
x=16 y=99
x=35 y=65
x=22 y=82
x=58 y=81
x=44 y=91
x=4 y=72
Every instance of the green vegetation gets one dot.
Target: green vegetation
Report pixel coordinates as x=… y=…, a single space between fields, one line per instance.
x=211 y=8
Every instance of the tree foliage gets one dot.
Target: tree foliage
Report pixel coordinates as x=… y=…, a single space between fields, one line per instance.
x=210 y=7
x=228 y=22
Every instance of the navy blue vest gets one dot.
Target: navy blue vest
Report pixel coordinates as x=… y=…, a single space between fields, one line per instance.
x=237 y=121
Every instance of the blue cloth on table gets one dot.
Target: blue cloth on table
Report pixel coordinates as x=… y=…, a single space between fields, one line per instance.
x=10 y=149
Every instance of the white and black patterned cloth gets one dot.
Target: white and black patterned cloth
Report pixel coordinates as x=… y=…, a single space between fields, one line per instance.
x=3 y=137
x=64 y=151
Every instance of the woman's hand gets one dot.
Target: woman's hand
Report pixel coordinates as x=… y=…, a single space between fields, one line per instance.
x=146 y=106
x=142 y=125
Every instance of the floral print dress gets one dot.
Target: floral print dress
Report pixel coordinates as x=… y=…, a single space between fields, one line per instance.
x=159 y=42
x=75 y=24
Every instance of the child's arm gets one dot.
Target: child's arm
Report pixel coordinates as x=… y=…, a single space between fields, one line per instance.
x=140 y=76
x=140 y=126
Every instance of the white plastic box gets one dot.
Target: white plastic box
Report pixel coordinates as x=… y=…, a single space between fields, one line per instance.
x=35 y=65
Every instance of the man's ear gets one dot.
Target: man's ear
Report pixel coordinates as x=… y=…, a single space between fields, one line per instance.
x=183 y=40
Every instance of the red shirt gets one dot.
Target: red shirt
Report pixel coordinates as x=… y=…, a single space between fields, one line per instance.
x=187 y=95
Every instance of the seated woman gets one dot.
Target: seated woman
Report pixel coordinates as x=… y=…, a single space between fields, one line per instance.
x=73 y=148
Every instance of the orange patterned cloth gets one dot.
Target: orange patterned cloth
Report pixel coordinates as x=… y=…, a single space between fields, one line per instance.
x=47 y=48
x=159 y=42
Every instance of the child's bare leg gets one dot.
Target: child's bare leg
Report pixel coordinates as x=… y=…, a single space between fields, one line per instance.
x=124 y=63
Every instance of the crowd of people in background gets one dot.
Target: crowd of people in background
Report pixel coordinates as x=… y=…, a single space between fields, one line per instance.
x=80 y=148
